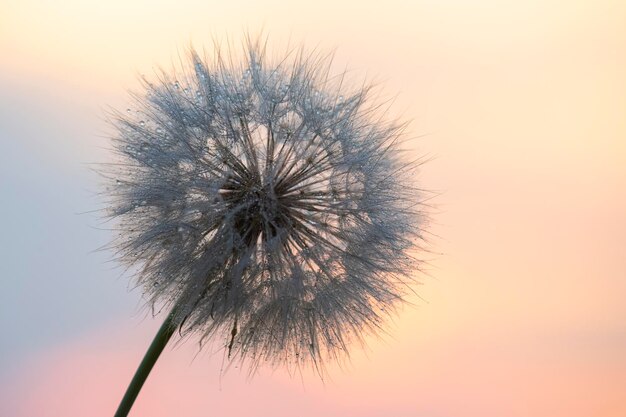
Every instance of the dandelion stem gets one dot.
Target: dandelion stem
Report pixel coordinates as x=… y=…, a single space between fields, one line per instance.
x=154 y=351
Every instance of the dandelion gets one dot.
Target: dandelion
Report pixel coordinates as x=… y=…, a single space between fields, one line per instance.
x=267 y=205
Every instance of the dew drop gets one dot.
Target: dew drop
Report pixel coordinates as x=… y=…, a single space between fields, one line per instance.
x=142 y=123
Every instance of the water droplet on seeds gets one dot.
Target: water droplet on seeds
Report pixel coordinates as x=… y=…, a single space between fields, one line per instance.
x=128 y=111
x=142 y=123
x=159 y=130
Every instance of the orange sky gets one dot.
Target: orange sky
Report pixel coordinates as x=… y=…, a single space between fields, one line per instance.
x=523 y=106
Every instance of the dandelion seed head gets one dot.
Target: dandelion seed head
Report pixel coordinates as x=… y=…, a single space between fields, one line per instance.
x=267 y=202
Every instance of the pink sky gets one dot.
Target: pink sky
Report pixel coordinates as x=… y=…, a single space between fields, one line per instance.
x=523 y=106
x=470 y=375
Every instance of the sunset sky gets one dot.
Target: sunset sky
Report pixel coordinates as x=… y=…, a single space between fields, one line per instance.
x=520 y=104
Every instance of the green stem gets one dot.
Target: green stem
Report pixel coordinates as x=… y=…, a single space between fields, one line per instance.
x=160 y=340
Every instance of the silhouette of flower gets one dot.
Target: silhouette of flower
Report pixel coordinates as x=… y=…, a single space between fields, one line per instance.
x=267 y=204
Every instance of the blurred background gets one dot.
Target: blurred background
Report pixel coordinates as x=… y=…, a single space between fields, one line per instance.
x=522 y=105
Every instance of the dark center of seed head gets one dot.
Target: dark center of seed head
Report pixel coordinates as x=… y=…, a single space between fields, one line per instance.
x=257 y=211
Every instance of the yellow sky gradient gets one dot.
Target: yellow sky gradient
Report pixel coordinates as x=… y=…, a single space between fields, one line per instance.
x=523 y=107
